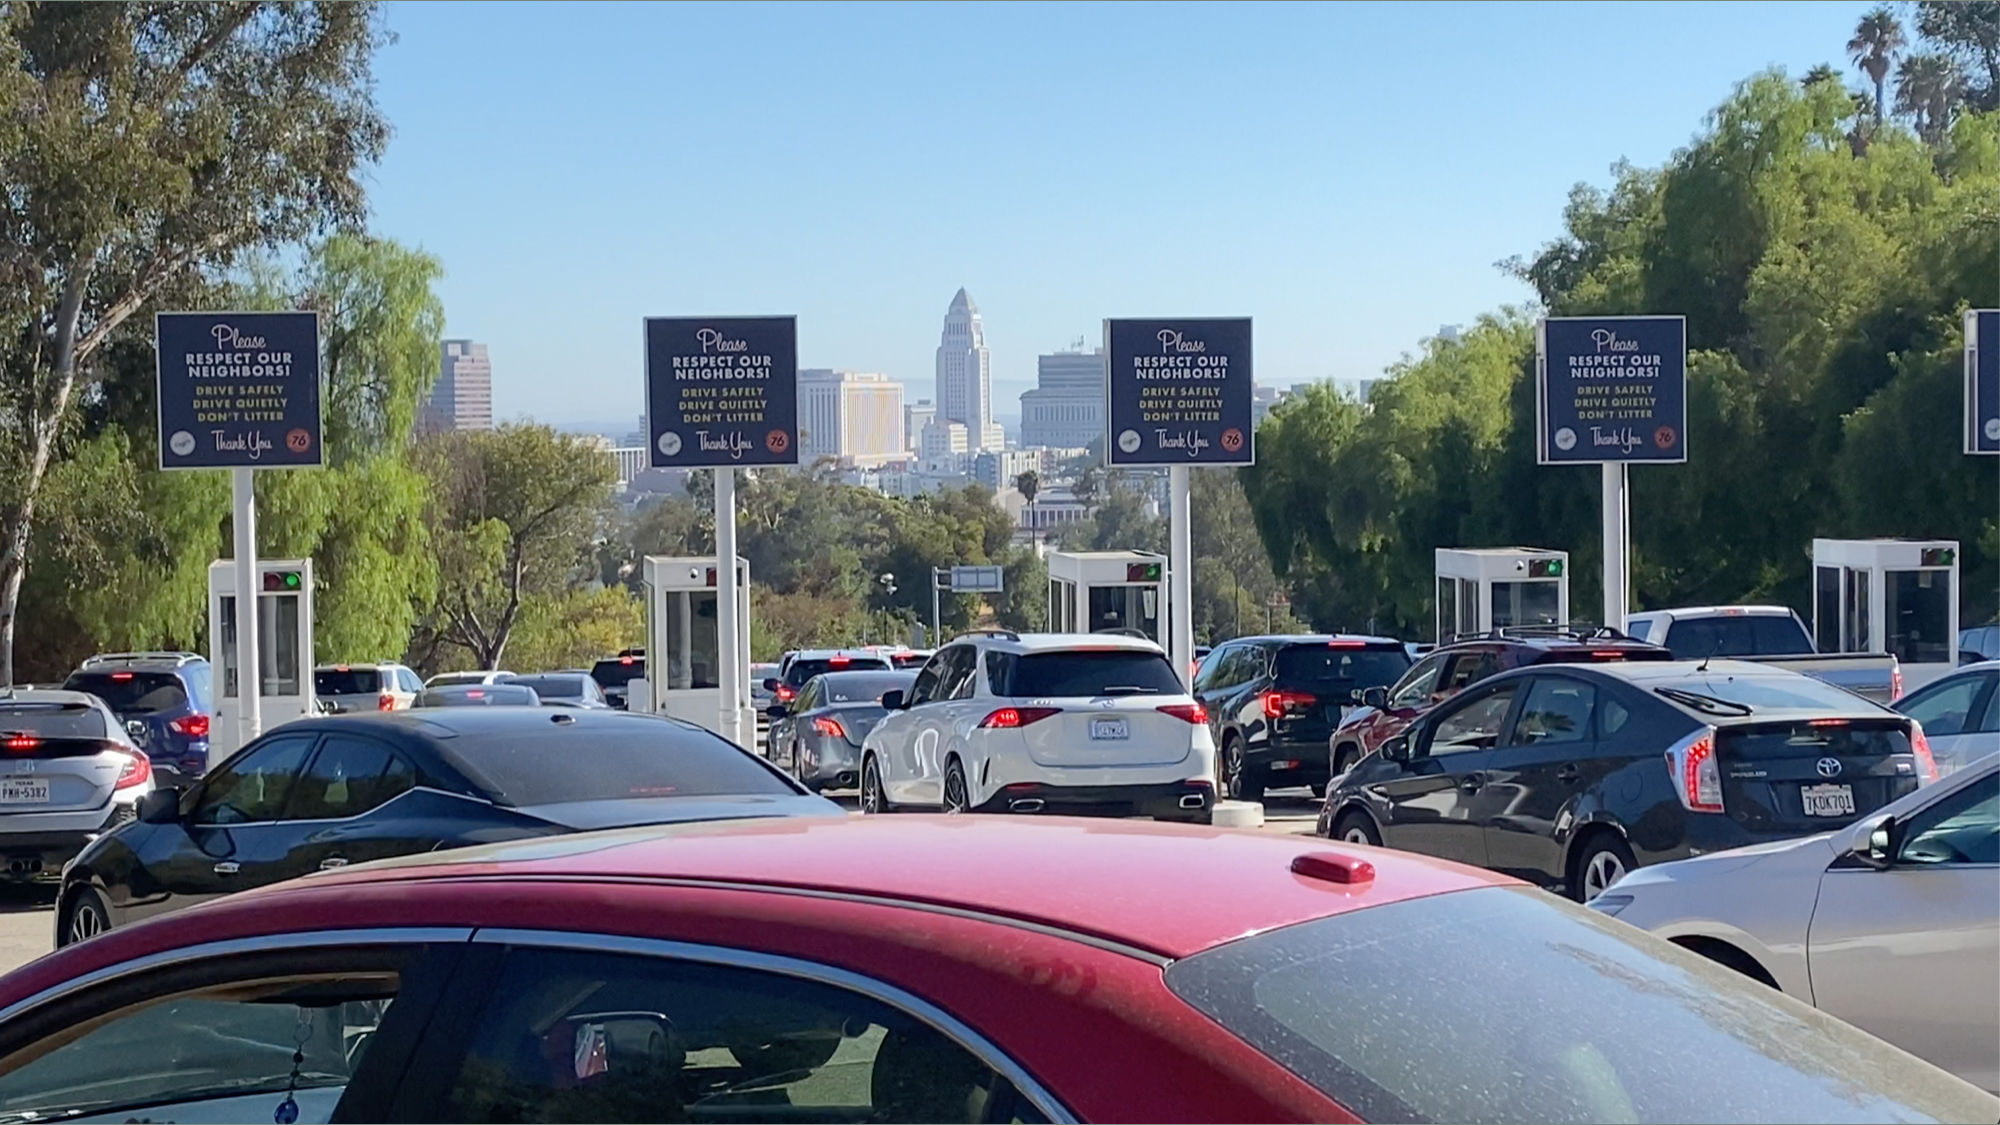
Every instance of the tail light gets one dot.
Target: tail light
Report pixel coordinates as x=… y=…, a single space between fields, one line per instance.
x=1278 y=703
x=193 y=726
x=1697 y=776
x=385 y=702
x=1013 y=718
x=21 y=743
x=1895 y=683
x=138 y=771
x=784 y=694
x=1921 y=747
x=830 y=727
x=1186 y=712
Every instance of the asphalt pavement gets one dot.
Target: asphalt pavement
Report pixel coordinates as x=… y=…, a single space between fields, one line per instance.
x=27 y=914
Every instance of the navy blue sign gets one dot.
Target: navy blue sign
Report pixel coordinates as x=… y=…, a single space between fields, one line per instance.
x=238 y=390
x=1180 y=392
x=1982 y=381
x=722 y=391
x=1611 y=389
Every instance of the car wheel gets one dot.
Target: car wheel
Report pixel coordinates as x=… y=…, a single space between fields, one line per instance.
x=873 y=798
x=1354 y=827
x=1604 y=860
x=85 y=918
x=1241 y=784
x=956 y=798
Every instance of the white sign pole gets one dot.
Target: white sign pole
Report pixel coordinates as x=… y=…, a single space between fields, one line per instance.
x=1617 y=543
x=249 y=681
x=730 y=682
x=1180 y=575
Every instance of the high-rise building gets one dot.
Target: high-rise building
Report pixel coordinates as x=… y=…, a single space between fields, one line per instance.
x=462 y=399
x=855 y=417
x=1066 y=408
x=915 y=418
x=942 y=439
x=965 y=375
x=998 y=469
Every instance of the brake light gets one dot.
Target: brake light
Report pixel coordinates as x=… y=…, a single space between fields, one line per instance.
x=194 y=726
x=137 y=771
x=1826 y=722
x=1921 y=747
x=624 y=660
x=1895 y=683
x=120 y=677
x=385 y=702
x=1607 y=654
x=1697 y=776
x=21 y=742
x=839 y=661
x=1186 y=712
x=1277 y=703
x=1013 y=718
x=785 y=694
x=340 y=667
x=475 y=695
x=830 y=727
x=1347 y=644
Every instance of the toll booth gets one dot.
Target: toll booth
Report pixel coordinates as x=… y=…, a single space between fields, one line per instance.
x=683 y=645
x=1106 y=591
x=1898 y=596
x=284 y=647
x=1480 y=589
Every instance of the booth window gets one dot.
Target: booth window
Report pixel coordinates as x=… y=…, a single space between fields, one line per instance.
x=1526 y=603
x=1447 y=607
x=1826 y=609
x=693 y=646
x=277 y=644
x=1858 y=604
x=1917 y=616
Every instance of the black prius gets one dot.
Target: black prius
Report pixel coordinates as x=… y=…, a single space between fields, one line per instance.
x=323 y=793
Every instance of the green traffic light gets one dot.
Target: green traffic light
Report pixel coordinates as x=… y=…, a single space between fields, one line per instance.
x=1555 y=568
x=291 y=580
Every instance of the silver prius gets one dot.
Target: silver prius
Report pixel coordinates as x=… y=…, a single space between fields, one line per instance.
x=1892 y=923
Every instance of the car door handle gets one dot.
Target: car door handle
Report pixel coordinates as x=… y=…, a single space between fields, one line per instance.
x=1568 y=775
x=331 y=862
x=228 y=867
x=1472 y=781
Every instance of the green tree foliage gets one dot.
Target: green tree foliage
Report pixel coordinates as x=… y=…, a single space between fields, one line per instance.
x=516 y=512
x=141 y=143
x=1877 y=40
x=575 y=628
x=1822 y=290
x=1968 y=31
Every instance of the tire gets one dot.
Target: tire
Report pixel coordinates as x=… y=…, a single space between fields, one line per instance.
x=1603 y=859
x=1355 y=827
x=874 y=799
x=1238 y=781
x=84 y=918
x=957 y=797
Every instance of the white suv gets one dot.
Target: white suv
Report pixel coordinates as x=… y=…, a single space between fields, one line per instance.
x=1059 y=723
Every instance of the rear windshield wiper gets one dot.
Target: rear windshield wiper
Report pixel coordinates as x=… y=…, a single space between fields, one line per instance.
x=1128 y=689
x=1705 y=703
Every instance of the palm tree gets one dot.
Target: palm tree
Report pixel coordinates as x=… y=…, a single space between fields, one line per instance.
x=1928 y=86
x=1819 y=74
x=1027 y=484
x=1876 y=40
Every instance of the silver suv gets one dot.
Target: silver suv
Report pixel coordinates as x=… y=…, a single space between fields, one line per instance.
x=382 y=686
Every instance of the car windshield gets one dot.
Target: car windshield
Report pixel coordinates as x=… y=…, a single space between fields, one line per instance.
x=617 y=673
x=346 y=681
x=552 y=687
x=1765 y=634
x=1086 y=673
x=133 y=693
x=448 y=679
x=864 y=687
x=52 y=719
x=487 y=695
x=803 y=669
x=1339 y=666
x=549 y=764
x=1765 y=691
x=1366 y=1006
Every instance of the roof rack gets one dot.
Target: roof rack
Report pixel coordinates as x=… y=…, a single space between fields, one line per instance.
x=109 y=657
x=1135 y=634
x=1003 y=634
x=1553 y=632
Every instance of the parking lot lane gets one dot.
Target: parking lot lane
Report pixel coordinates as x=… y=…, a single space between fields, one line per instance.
x=27 y=925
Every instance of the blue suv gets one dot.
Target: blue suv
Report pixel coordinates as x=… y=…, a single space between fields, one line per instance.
x=165 y=700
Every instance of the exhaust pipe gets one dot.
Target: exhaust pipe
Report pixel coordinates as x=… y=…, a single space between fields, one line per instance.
x=1193 y=800
x=1025 y=804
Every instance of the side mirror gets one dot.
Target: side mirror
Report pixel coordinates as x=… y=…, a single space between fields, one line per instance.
x=1875 y=842
x=892 y=700
x=770 y=683
x=161 y=806
x=1397 y=749
x=777 y=711
x=1376 y=697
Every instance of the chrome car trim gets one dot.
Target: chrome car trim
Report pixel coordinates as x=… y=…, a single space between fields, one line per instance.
x=911 y=1004
x=268 y=943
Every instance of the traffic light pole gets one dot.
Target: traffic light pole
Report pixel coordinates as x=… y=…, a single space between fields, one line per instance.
x=249 y=681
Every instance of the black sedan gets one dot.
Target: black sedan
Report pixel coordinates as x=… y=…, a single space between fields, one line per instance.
x=819 y=733
x=323 y=793
x=564 y=689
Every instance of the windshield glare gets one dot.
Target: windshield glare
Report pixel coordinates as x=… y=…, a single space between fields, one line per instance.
x=1369 y=1007
x=1768 y=692
x=53 y=720
x=640 y=758
x=1353 y=668
x=133 y=693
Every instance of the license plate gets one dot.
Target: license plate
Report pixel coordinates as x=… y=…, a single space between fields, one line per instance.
x=24 y=790
x=1109 y=730
x=1828 y=800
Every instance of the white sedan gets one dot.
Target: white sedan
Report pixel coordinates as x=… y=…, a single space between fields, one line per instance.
x=1892 y=923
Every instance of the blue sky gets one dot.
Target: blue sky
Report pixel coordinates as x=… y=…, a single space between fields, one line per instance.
x=1346 y=174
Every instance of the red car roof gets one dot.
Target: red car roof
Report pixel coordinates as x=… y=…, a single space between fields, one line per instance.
x=1167 y=889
